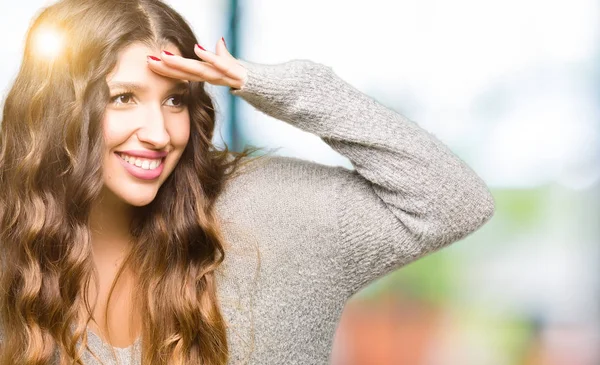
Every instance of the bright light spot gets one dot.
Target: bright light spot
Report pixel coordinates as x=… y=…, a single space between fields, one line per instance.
x=48 y=42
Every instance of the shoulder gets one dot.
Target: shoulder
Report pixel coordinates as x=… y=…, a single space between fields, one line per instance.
x=275 y=174
x=281 y=191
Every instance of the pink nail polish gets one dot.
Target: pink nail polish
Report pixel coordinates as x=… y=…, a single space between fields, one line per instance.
x=154 y=58
x=167 y=53
x=202 y=48
x=223 y=39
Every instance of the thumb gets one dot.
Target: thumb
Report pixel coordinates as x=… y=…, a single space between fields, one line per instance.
x=221 y=49
x=234 y=70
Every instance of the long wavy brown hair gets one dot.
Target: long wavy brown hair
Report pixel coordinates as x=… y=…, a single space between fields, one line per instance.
x=51 y=148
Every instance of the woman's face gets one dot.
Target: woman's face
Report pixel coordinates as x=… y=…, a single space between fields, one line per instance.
x=146 y=126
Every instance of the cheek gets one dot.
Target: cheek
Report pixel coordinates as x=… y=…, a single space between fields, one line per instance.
x=116 y=129
x=179 y=131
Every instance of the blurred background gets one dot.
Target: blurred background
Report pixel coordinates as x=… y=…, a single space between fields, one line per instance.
x=512 y=87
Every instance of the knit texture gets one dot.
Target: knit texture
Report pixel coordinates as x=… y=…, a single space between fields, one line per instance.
x=304 y=237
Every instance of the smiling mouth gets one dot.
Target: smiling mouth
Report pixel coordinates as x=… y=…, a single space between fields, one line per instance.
x=143 y=163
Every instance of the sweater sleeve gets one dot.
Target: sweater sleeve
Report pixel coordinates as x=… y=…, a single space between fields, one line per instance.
x=408 y=194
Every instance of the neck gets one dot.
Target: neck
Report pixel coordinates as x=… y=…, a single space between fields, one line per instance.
x=110 y=218
x=109 y=223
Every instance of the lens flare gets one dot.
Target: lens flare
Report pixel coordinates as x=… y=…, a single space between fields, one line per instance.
x=48 y=42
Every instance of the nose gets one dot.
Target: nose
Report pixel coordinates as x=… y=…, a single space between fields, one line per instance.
x=153 y=130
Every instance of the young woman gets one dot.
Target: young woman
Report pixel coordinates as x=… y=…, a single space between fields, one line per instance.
x=126 y=236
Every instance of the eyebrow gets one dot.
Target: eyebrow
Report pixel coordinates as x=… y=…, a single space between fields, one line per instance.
x=136 y=87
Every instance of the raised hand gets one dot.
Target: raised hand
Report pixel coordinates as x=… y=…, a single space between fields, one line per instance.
x=220 y=68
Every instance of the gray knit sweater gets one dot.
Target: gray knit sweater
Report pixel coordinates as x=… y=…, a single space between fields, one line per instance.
x=305 y=237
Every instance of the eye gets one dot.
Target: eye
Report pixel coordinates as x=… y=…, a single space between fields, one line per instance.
x=123 y=98
x=178 y=101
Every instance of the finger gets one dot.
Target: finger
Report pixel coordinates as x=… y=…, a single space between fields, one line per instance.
x=189 y=66
x=161 y=68
x=223 y=61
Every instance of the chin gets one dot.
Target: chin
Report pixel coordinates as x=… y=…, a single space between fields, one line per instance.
x=129 y=194
x=139 y=197
x=140 y=201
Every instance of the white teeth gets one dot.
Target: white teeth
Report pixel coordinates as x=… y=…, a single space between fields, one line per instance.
x=145 y=164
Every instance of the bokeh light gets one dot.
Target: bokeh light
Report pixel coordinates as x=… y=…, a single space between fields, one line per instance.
x=49 y=42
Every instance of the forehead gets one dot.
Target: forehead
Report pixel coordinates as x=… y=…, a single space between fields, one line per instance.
x=132 y=64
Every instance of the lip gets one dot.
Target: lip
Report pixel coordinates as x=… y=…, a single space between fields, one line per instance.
x=145 y=153
x=139 y=172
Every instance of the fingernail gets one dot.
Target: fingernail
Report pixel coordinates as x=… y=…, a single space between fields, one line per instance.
x=167 y=53
x=202 y=48
x=154 y=58
x=223 y=39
